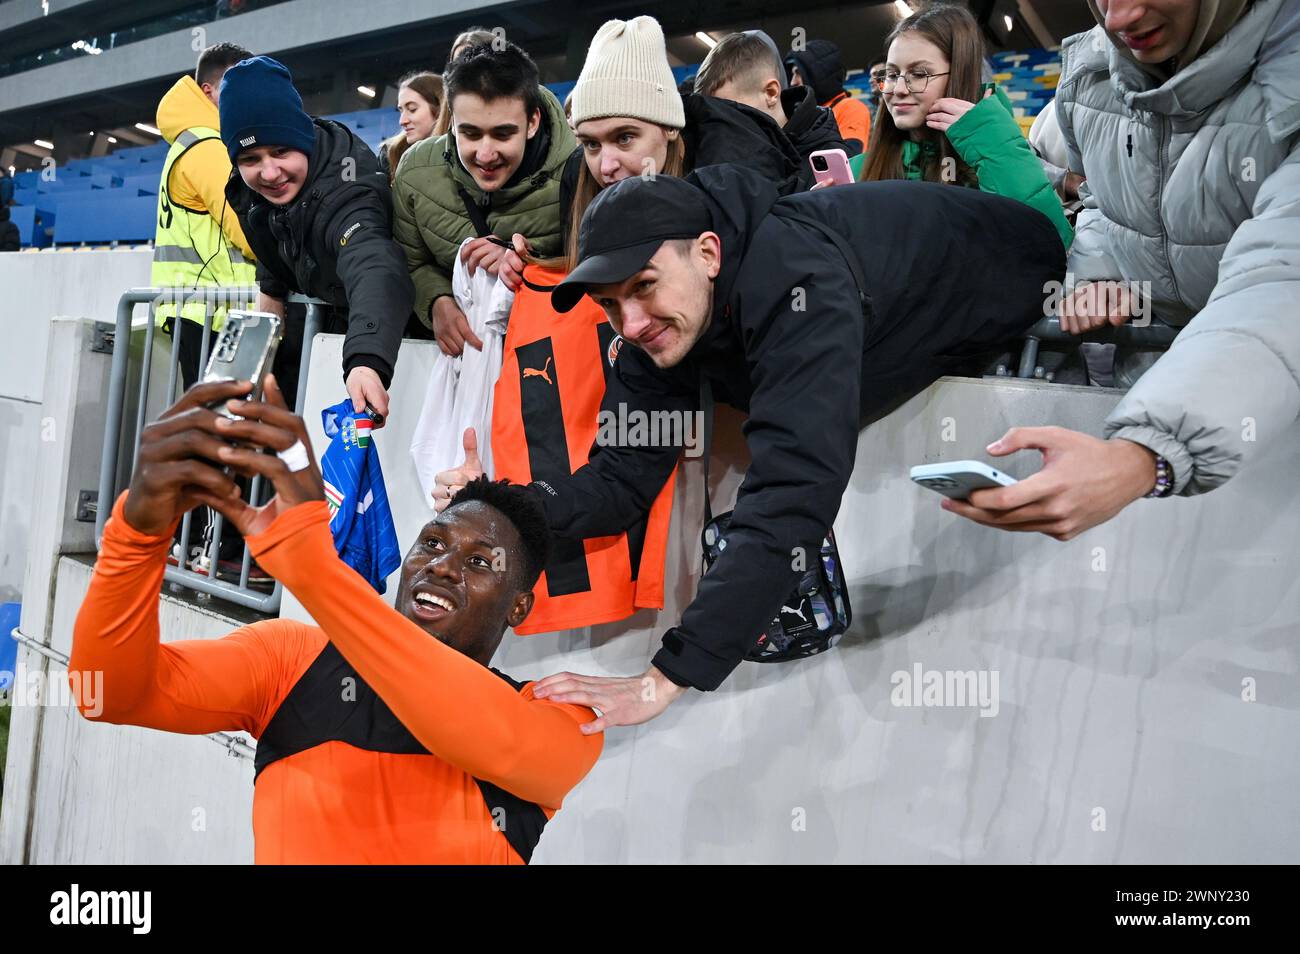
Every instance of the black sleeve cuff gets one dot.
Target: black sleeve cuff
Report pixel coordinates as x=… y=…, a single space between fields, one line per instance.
x=273 y=288
x=687 y=666
x=672 y=676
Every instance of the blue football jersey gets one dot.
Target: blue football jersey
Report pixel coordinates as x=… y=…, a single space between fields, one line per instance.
x=360 y=518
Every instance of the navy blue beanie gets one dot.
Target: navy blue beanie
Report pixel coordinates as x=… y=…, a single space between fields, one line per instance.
x=260 y=107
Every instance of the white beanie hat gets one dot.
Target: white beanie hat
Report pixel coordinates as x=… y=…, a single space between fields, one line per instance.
x=627 y=74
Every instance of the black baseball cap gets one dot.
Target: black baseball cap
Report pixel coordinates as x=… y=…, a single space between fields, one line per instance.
x=624 y=227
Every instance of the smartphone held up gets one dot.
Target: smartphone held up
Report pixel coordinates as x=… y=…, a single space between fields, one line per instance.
x=831 y=167
x=244 y=351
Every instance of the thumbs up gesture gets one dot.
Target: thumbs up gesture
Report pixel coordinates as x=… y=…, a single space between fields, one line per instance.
x=449 y=482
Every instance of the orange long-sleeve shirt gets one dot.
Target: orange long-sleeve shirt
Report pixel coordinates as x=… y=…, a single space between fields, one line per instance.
x=333 y=802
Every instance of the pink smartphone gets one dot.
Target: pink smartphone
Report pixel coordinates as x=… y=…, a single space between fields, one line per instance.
x=831 y=166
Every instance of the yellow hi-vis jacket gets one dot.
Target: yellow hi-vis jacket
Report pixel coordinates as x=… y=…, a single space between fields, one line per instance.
x=199 y=241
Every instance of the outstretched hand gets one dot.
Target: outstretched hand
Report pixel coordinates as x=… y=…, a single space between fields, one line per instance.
x=1085 y=481
x=618 y=700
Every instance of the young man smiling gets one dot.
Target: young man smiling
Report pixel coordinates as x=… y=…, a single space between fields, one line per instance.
x=316 y=211
x=497 y=171
x=383 y=736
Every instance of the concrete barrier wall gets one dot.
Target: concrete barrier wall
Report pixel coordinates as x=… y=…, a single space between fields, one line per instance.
x=77 y=791
x=37 y=288
x=1146 y=706
x=108 y=794
x=80 y=283
x=1121 y=732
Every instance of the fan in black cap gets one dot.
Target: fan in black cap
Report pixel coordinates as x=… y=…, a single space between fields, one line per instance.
x=624 y=227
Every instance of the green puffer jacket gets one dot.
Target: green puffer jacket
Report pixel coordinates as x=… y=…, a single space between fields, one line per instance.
x=989 y=140
x=429 y=217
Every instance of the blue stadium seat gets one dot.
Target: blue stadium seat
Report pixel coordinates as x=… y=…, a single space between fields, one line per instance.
x=9 y=614
x=99 y=220
x=562 y=90
x=142 y=184
x=362 y=120
x=24 y=216
x=47 y=203
x=65 y=181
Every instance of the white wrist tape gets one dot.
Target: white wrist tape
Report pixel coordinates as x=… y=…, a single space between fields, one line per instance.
x=295 y=457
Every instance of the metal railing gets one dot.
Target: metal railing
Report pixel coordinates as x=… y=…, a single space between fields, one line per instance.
x=1156 y=336
x=233 y=744
x=205 y=581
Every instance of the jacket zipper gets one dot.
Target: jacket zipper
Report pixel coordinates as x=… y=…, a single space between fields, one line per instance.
x=1160 y=206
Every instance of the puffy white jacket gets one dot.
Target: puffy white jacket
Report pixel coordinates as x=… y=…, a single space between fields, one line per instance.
x=1193 y=185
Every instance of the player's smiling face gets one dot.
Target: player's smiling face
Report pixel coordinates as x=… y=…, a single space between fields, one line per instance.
x=458 y=580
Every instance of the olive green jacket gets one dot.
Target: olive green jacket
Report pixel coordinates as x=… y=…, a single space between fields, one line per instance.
x=429 y=217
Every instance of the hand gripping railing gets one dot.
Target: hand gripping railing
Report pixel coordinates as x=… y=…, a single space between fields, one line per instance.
x=1156 y=336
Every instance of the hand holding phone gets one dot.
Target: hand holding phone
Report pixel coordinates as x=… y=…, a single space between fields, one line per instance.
x=831 y=167
x=956 y=479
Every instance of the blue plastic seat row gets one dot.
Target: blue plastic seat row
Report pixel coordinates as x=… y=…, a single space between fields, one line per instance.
x=113 y=218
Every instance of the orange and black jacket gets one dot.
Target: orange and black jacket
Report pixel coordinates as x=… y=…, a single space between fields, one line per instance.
x=377 y=744
x=545 y=412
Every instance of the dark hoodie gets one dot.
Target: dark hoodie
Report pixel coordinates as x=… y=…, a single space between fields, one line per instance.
x=821 y=67
x=10 y=237
x=949 y=274
x=334 y=242
x=823 y=70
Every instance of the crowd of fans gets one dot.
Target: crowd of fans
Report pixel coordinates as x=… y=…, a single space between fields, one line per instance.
x=689 y=224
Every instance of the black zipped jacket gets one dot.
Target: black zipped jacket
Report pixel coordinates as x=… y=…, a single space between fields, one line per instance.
x=335 y=242
x=948 y=275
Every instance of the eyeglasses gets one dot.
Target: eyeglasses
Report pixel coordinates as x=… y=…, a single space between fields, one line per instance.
x=915 y=80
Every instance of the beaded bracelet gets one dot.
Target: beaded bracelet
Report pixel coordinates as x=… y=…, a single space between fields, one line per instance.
x=1164 y=479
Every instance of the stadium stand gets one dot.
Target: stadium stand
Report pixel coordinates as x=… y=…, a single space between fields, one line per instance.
x=1029 y=78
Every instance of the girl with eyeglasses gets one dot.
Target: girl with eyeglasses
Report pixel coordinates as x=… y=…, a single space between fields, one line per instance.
x=941 y=124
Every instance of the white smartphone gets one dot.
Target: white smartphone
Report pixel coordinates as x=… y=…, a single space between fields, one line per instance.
x=831 y=166
x=244 y=351
x=957 y=478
